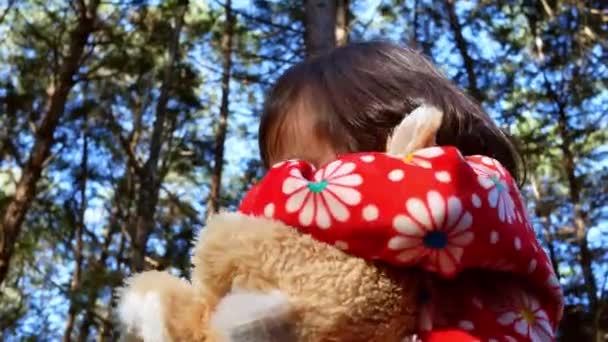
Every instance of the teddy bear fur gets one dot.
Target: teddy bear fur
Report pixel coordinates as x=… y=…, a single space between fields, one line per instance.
x=256 y=279
x=331 y=295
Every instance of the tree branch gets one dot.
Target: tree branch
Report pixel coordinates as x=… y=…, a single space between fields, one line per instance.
x=462 y=46
x=222 y=125
x=14 y=215
x=150 y=180
x=132 y=159
x=6 y=10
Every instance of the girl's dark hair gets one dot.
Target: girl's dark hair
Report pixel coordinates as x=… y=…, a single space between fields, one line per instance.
x=358 y=93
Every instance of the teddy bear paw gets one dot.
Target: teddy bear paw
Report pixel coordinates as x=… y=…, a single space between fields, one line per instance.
x=142 y=315
x=253 y=316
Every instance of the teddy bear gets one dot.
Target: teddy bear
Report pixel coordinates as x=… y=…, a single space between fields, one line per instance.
x=312 y=290
x=258 y=279
x=255 y=278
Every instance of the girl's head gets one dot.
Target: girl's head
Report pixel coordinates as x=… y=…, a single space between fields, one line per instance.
x=350 y=99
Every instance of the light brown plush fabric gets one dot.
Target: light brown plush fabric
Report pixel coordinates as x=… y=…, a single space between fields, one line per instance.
x=185 y=309
x=334 y=296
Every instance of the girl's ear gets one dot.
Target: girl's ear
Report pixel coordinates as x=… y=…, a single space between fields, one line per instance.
x=416 y=131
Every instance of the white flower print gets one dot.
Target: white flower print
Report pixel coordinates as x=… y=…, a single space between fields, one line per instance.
x=494 y=237
x=517 y=243
x=324 y=198
x=290 y=162
x=466 y=325
x=528 y=319
x=279 y=164
x=420 y=157
x=443 y=176
x=435 y=231
x=429 y=152
x=269 y=210
x=498 y=190
x=368 y=158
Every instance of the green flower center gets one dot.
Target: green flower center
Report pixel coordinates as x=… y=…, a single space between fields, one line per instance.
x=497 y=183
x=316 y=187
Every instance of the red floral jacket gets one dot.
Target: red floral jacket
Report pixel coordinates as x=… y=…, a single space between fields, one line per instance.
x=462 y=219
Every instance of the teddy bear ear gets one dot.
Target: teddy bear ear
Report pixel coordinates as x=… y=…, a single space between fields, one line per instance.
x=416 y=131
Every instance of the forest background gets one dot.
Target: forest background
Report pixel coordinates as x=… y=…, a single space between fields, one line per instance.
x=124 y=122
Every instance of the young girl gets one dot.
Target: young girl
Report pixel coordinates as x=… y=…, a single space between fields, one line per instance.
x=453 y=210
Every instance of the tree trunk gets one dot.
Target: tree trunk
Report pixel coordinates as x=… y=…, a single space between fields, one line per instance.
x=98 y=265
x=343 y=17
x=120 y=216
x=222 y=126
x=105 y=332
x=462 y=46
x=579 y=216
x=150 y=181
x=117 y=218
x=87 y=320
x=320 y=26
x=413 y=33
x=78 y=247
x=14 y=215
x=545 y=218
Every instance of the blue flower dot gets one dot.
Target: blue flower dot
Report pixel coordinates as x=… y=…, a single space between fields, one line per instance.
x=435 y=240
